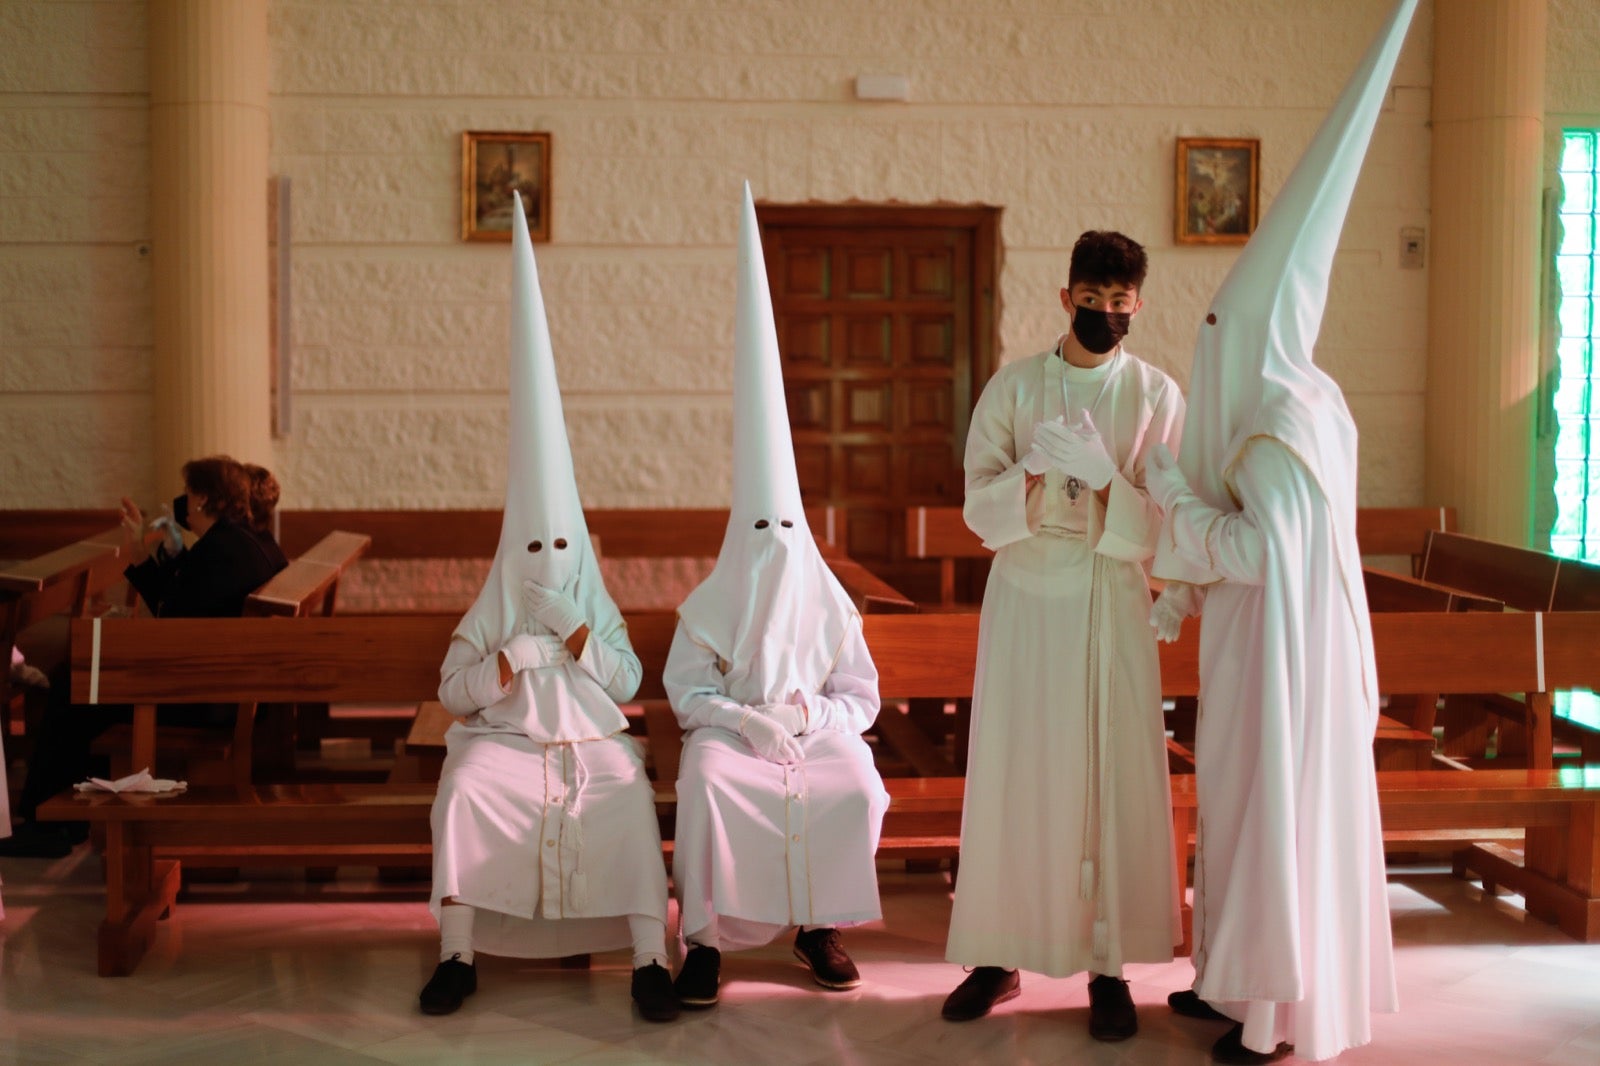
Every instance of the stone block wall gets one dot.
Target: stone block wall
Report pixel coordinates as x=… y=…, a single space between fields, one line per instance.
x=1061 y=112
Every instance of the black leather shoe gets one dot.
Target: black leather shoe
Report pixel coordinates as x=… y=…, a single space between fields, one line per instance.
x=36 y=840
x=452 y=982
x=652 y=991
x=823 y=951
x=697 y=981
x=985 y=988
x=1230 y=1049
x=1189 y=1004
x=1111 y=1013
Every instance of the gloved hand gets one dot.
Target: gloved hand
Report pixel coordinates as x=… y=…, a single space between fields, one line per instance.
x=1177 y=601
x=171 y=535
x=1162 y=479
x=1037 y=461
x=527 y=652
x=1079 y=452
x=553 y=608
x=768 y=737
x=791 y=715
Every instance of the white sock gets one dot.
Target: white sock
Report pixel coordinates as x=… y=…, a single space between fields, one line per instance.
x=455 y=932
x=649 y=940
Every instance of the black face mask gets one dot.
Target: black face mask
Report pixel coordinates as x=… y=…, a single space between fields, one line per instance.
x=1100 y=331
x=180 y=509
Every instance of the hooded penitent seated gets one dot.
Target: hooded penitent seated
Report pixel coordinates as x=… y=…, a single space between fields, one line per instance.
x=779 y=805
x=545 y=839
x=1291 y=918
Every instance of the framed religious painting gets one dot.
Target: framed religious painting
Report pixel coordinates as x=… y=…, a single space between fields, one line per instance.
x=494 y=166
x=1218 y=193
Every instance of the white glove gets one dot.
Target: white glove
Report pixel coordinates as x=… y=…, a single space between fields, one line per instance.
x=1081 y=453
x=1051 y=440
x=527 y=652
x=791 y=715
x=171 y=535
x=553 y=608
x=768 y=737
x=1176 y=602
x=1162 y=479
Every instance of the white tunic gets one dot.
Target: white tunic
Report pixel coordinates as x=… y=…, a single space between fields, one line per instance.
x=1290 y=905
x=764 y=846
x=545 y=820
x=1066 y=835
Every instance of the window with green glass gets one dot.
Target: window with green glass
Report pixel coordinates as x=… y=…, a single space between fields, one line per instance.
x=1576 y=533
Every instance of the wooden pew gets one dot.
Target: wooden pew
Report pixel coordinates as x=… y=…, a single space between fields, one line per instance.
x=626 y=533
x=941 y=533
x=1526 y=580
x=395 y=659
x=63 y=581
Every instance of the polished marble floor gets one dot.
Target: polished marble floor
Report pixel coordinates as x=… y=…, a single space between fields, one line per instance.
x=334 y=980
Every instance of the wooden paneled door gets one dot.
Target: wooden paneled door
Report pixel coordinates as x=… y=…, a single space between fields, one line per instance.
x=886 y=326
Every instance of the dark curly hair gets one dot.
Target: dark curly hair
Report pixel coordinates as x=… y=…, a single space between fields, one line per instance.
x=224 y=484
x=264 y=493
x=1105 y=257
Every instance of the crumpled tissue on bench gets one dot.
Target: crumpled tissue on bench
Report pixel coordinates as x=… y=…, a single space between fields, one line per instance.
x=139 y=782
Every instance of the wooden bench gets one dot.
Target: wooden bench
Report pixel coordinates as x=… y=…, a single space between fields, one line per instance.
x=941 y=533
x=395 y=659
x=474 y=534
x=64 y=581
x=1526 y=580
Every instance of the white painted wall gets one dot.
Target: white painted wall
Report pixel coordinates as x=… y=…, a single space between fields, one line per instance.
x=1063 y=112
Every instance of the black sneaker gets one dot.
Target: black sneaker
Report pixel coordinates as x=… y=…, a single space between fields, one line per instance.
x=652 y=991
x=1189 y=1004
x=1230 y=1049
x=985 y=988
x=452 y=982
x=696 y=985
x=823 y=951
x=1111 y=1013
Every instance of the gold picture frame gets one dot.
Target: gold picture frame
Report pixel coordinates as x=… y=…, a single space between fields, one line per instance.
x=1218 y=190
x=493 y=165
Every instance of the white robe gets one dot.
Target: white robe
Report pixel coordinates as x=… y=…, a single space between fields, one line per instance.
x=1290 y=904
x=551 y=836
x=1066 y=834
x=763 y=846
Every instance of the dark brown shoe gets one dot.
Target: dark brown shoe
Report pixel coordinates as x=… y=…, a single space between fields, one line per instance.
x=699 y=977
x=985 y=988
x=652 y=991
x=1230 y=1049
x=823 y=951
x=1111 y=1013
x=1189 y=1004
x=452 y=982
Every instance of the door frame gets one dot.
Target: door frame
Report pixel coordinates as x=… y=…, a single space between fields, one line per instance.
x=982 y=221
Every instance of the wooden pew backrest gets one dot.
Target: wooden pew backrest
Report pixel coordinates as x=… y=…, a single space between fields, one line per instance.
x=1520 y=577
x=625 y=533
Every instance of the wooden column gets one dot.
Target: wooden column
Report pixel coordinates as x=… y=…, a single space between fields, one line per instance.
x=1488 y=120
x=208 y=192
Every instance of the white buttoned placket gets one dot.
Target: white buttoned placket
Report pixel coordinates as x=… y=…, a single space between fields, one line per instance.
x=797 y=841
x=563 y=886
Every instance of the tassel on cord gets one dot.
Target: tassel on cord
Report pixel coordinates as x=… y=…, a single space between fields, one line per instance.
x=1086 y=879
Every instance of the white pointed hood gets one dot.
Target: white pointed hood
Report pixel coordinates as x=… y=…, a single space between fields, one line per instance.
x=1253 y=372
x=771 y=608
x=543 y=535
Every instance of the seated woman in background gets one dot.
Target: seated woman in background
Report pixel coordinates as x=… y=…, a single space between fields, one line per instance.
x=210 y=579
x=264 y=493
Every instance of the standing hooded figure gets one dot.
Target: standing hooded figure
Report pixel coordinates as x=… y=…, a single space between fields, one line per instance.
x=545 y=839
x=1291 y=920
x=779 y=805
